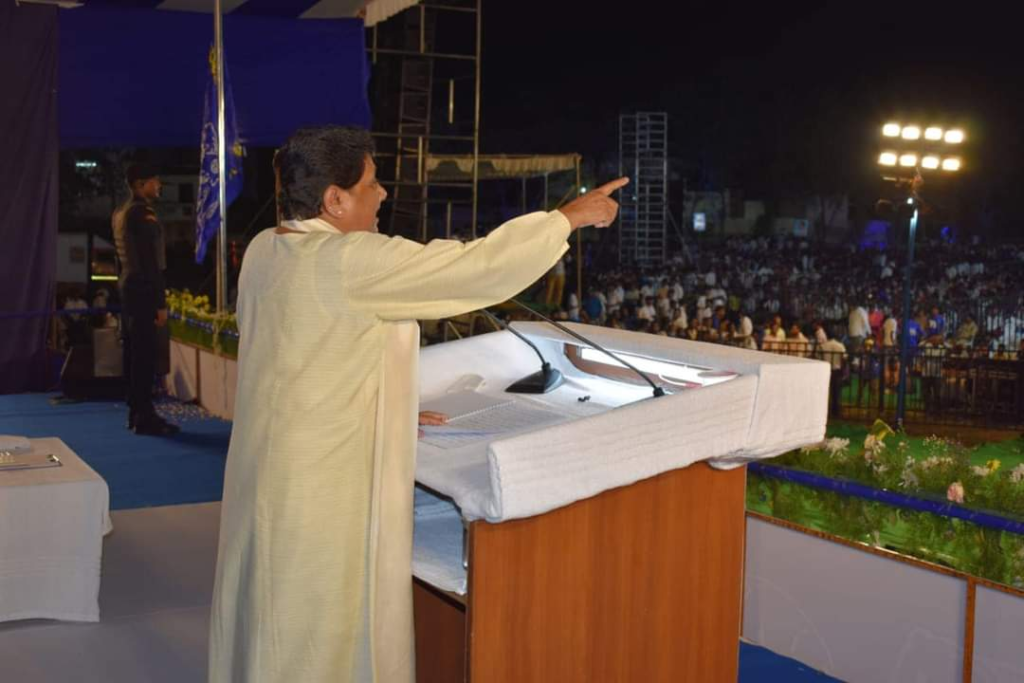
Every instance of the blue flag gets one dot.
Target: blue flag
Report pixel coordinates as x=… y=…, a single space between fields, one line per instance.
x=208 y=200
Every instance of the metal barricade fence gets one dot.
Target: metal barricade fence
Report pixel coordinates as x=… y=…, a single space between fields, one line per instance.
x=944 y=385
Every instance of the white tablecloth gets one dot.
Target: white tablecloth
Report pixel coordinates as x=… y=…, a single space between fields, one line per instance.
x=52 y=523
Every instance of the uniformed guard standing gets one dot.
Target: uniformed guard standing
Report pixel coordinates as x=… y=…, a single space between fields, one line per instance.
x=138 y=238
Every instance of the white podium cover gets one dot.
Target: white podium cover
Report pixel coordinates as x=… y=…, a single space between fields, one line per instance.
x=52 y=523
x=615 y=438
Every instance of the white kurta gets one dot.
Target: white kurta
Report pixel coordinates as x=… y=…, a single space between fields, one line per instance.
x=313 y=576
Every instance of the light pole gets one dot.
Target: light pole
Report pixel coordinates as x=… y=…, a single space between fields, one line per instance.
x=909 y=152
x=901 y=391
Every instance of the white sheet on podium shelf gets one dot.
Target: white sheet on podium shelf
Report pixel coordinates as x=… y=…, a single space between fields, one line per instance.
x=475 y=417
x=438 y=543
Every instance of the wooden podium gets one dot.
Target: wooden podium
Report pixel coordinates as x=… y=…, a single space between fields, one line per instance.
x=640 y=583
x=635 y=581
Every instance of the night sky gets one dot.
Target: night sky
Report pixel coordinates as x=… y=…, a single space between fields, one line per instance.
x=781 y=97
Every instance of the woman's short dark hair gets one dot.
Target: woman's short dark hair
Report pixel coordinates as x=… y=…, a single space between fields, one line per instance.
x=313 y=159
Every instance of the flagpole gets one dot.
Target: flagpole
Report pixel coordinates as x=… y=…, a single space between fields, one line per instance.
x=222 y=236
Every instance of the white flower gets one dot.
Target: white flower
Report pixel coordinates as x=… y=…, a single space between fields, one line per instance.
x=837 y=447
x=909 y=479
x=1017 y=474
x=937 y=445
x=873 y=447
x=981 y=471
x=935 y=461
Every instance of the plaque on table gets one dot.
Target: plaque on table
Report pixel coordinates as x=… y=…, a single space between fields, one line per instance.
x=31 y=460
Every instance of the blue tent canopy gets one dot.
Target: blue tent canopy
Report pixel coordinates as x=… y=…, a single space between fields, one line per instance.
x=135 y=77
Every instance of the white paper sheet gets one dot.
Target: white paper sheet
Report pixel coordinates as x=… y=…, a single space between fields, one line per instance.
x=474 y=418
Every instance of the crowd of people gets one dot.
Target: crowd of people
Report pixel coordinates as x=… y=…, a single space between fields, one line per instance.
x=782 y=294
x=840 y=304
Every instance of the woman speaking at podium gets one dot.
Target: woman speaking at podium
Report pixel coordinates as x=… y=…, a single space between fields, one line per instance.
x=313 y=578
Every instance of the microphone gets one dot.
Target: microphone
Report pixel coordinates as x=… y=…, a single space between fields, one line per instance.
x=658 y=391
x=541 y=382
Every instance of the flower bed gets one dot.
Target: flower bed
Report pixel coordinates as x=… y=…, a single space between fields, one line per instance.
x=192 y=322
x=930 y=498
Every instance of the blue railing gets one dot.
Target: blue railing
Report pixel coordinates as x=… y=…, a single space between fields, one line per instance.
x=851 y=488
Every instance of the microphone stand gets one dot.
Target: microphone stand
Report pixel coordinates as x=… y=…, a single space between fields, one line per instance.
x=658 y=391
x=541 y=382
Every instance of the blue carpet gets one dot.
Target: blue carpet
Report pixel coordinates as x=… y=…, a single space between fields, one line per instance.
x=141 y=471
x=144 y=471
x=758 y=665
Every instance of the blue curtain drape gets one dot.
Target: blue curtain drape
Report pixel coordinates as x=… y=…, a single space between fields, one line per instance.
x=28 y=191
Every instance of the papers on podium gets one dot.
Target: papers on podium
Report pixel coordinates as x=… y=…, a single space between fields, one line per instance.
x=474 y=418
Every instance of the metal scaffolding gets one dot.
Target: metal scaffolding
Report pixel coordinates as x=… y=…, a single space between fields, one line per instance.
x=643 y=217
x=426 y=83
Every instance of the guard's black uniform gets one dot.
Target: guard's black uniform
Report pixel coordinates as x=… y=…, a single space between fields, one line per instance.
x=138 y=237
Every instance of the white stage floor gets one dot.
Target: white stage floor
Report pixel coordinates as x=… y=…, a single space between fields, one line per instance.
x=158 y=567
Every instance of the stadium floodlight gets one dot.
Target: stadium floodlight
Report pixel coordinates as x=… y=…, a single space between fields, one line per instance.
x=911 y=133
x=891 y=130
x=903 y=149
x=954 y=137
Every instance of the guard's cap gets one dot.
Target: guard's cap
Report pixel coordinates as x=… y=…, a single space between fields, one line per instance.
x=140 y=171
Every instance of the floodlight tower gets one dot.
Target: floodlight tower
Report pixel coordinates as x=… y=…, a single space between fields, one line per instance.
x=908 y=153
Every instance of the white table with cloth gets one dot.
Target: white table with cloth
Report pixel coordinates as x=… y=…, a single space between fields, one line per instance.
x=52 y=523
